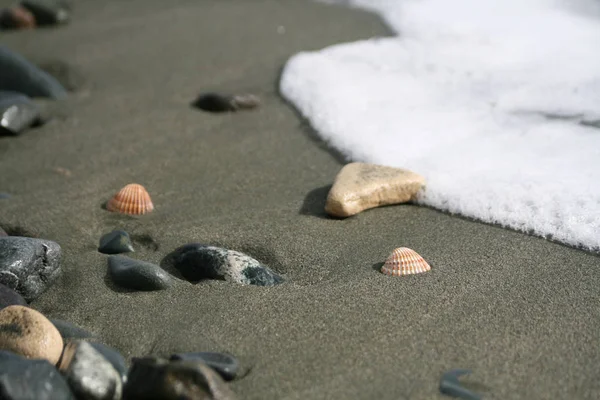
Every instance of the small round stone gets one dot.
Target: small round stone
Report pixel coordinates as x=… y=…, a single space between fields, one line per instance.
x=27 y=332
x=115 y=242
x=135 y=274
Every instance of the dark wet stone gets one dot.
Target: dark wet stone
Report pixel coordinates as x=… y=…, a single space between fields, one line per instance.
x=22 y=379
x=226 y=365
x=154 y=378
x=136 y=274
x=4 y=195
x=70 y=331
x=48 y=12
x=17 y=112
x=29 y=265
x=89 y=375
x=196 y=261
x=115 y=242
x=20 y=75
x=9 y=297
x=114 y=357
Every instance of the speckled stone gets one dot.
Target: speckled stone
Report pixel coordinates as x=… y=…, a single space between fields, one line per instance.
x=113 y=357
x=27 y=332
x=196 y=262
x=9 y=297
x=154 y=378
x=23 y=379
x=115 y=242
x=224 y=364
x=135 y=274
x=29 y=265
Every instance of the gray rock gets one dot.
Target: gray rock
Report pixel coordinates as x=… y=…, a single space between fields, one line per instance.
x=29 y=265
x=70 y=331
x=135 y=274
x=23 y=379
x=113 y=357
x=196 y=261
x=19 y=75
x=4 y=195
x=152 y=378
x=9 y=297
x=225 y=364
x=115 y=242
x=89 y=374
x=17 y=112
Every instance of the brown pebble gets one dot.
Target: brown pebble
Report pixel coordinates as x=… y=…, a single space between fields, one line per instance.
x=360 y=186
x=27 y=332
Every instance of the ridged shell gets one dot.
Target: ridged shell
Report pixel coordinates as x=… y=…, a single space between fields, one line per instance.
x=404 y=261
x=133 y=199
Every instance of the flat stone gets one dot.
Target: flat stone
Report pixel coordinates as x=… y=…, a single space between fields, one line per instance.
x=27 y=332
x=48 y=12
x=22 y=379
x=70 y=331
x=17 y=112
x=154 y=378
x=135 y=274
x=20 y=75
x=9 y=297
x=224 y=364
x=115 y=242
x=196 y=262
x=360 y=186
x=29 y=265
x=89 y=374
x=114 y=357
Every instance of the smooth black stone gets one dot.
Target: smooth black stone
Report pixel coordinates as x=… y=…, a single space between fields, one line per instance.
x=226 y=365
x=114 y=357
x=9 y=297
x=17 y=112
x=115 y=242
x=214 y=102
x=48 y=12
x=23 y=379
x=70 y=331
x=29 y=265
x=17 y=74
x=138 y=275
x=154 y=378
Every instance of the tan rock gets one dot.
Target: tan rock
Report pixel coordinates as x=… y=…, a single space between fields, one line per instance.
x=360 y=186
x=27 y=332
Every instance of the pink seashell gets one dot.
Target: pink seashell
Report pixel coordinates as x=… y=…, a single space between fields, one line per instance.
x=404 y=261
x=133 y=199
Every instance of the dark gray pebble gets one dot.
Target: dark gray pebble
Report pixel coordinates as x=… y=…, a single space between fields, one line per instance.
x=9 y=297
x=48 y=12
x=196 y=261
x=4 y=195
x=225 y=364
x=20 y=75
x=17 y=112
x=23 y=379
x=29 y=265
x=154 y=378
x=115 y=242
x=135 y=274
x=114 y=357
x=70 y=331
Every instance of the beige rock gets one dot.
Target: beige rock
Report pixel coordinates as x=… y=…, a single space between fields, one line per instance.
x=27 y=332
x=360 y=186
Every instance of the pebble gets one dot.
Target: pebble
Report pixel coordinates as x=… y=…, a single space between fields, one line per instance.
x=115 y=242
x=17 y=112
x=360 y=186
x=20 y=75
x=154 y=378
x=214 y=102
x=89 y=374
x=23 y=379
x=27 y=332
x=4 y=195
x=29 y=265
x=113 y=357
x=48 y=12
x=196 y=261
x=16 y=17
x=69 y=331
x=9 y=297
x=226 y=365
x=135 y=274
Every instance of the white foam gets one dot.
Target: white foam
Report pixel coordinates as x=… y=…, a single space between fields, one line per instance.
x=468 y=95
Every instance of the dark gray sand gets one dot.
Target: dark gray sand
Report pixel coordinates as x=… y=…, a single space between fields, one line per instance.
x=522 y=312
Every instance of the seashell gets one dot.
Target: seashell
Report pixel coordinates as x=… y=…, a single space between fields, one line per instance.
x=244 y=101
x=404 y=261
x=133 y=199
